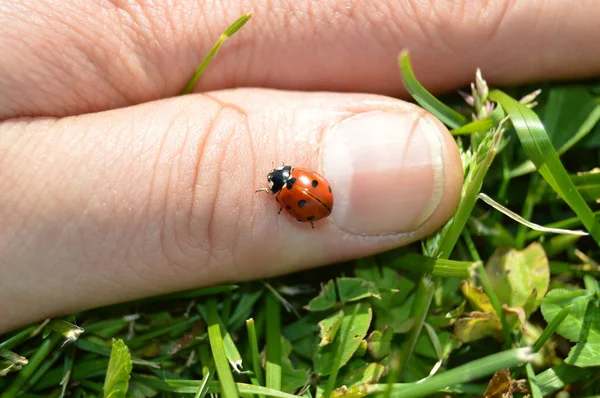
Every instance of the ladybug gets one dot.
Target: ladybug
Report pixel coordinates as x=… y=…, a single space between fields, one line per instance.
x=306 y=195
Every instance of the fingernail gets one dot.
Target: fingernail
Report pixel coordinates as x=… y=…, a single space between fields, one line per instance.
x=386 y=170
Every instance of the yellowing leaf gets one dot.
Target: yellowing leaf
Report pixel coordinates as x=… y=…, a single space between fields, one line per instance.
x=355 y=324
x=476 y=297
x=329 y=326
x=364 y=374
x=503 y=386
x=477 y=325
x=515 y=274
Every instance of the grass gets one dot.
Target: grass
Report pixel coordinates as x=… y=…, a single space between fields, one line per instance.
x=503 y=298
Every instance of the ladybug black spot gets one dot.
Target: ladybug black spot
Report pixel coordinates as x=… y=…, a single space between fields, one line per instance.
x=329 y=187
x=288 y=207
x=290 y=183
x=315 y=183
x=301 y=203
x=310 y=218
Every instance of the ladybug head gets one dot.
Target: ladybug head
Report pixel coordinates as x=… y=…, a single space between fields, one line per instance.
x=278 y=177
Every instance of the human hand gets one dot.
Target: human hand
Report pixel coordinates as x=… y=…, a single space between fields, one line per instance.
x=114 y=191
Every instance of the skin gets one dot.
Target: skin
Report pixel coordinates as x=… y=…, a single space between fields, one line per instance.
x=114 y=190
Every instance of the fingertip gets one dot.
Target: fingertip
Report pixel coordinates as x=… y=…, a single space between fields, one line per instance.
x=395 y=171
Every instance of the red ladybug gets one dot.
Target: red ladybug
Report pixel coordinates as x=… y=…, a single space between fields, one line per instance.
x=305 y=194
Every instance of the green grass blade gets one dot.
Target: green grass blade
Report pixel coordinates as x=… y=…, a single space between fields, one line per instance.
x=244 y=309
x=534 y=388
x=18 y=338
x=488 y=288
x=253 y=340
x=188 y=294
x=273 y=332
x=443 y=112
x=459 y=375
x=191 y=386
x=233 y=355
x=418 y=311
x=482 y=125
x=560 y=376
x=587 y=126
x=42 y=370
x=483 y=160
x=540 y=151
x=203 y=387
x=68 y=369
x=551 y=328
x=35 y=361
x=177 y=326
x=228 y=386
x=418 y=264
x=230 y=31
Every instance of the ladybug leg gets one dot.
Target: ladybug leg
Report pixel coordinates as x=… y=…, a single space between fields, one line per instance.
x=312 y=225
x=267 y=190
x=281 y=208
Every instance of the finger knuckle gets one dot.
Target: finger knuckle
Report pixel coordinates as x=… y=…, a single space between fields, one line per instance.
x=209 y=207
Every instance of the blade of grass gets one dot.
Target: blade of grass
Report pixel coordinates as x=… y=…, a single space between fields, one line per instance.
x=533 y=386
x=534 y=191
x=551 y=328
x=562 y=224
x=273 y=336
x=206 y=359
x=442 y=244
x=488 y=288
x=523 y=221
x=42 y=370
x=393 y=369
x=459 y=375
x=177 y=326
x=418 y=311
x=587 y=126
x=191 y=386
x=230 y=31
x=443 y=112
x=560 y=376
x=420 y=264
x=35 y=361
x=243 y=309
x=96 y=348
x=540 y=151
x=253 y=340
x=213 y=321
x=203 y=387
x=68 y=369
x=482 y=125
x=85 y=369
x=233 y=354
x=18 y=338
x=483 y=159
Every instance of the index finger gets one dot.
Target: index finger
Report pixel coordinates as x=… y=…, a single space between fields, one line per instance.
x=65 y=58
